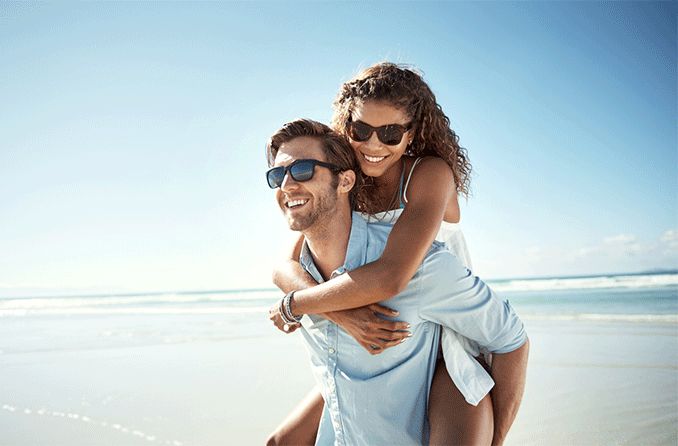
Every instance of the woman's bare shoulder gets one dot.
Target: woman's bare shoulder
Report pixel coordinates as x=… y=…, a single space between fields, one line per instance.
x=432 y=168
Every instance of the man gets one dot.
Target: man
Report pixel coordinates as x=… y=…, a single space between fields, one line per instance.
x=314 y=178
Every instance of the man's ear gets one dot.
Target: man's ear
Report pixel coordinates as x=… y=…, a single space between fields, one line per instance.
x=346 y=181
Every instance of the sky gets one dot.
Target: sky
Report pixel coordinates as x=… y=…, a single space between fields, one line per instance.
x=132 y=135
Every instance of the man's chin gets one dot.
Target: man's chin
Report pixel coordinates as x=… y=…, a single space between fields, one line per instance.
x=297 y=224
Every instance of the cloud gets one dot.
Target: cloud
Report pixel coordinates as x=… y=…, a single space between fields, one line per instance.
x=621 y=239
x=670 y=238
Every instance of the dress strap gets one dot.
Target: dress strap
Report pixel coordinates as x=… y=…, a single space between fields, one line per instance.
x=401 y=205
x=408 y=178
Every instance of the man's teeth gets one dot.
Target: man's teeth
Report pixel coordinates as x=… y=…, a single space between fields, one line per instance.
x=294 y=203
x=373 y=159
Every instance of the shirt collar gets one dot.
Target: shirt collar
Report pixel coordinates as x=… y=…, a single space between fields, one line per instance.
x=356 y=252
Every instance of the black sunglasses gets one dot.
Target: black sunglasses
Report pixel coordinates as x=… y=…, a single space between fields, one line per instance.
x=390 y=134
x=300 y=170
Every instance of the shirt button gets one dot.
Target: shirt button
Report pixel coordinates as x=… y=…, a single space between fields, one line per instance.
x=331 y=350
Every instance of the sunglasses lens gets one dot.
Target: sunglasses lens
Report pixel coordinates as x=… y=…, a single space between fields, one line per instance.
x=359 y=131
x=302 y=171
x=390 y=135
x=275 y=177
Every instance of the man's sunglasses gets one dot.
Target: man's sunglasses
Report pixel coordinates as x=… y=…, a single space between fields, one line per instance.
x=300 y=170
x=390 y=134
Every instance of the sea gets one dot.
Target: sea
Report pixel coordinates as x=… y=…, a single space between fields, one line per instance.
x=642 y=297
x=113 y=320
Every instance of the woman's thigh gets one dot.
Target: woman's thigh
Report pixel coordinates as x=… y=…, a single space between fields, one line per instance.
x=301 y=425
x=453 y=421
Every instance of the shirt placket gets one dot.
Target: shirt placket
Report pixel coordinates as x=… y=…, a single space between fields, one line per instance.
x=333 y=400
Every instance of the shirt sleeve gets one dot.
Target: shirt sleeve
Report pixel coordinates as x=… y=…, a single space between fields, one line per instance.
x=453 y=297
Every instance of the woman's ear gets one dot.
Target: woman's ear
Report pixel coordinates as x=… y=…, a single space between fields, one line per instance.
x=346 y=181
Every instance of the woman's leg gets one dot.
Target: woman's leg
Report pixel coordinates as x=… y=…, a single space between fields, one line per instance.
x=453 y=421
x=301 y=426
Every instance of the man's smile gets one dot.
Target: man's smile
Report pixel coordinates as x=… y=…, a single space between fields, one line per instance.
x=296 y=203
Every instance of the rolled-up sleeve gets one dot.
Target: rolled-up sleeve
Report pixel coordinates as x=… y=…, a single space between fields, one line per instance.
x=453 y=297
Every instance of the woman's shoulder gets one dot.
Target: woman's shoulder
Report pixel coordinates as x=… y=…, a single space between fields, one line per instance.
x=429 y=176
x=430 y=167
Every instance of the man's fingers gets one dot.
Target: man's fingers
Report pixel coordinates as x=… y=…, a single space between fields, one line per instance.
x=291 y=328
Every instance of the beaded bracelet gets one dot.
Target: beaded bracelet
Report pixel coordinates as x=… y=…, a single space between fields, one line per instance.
x=287 y=309
x=283 y=315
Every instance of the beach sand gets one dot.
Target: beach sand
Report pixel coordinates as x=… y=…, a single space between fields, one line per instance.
x=229 y=380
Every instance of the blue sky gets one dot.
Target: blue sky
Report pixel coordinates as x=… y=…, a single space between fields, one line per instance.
x=132 y=148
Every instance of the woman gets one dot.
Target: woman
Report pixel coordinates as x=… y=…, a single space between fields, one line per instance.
x=413 y=169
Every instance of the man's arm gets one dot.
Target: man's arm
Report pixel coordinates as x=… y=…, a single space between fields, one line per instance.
x=508 y=371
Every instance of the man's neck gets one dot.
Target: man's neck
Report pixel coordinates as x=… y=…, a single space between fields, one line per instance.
x=328 y=242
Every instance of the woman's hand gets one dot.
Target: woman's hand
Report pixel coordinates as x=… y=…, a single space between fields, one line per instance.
x=276 y=318
x=372 y=332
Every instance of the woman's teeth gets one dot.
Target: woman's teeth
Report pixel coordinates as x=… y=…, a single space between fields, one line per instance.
x=295 y=203
x=373 y=159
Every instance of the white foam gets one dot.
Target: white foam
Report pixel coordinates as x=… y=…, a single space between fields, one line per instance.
x=630 y=281
x=634 y=318
x=162 y=310
x=75 y=302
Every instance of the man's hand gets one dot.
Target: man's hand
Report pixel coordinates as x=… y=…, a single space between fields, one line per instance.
x=372 y=332
x=276 y=318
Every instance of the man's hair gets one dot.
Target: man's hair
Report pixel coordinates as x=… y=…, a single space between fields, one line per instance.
x=337 y=149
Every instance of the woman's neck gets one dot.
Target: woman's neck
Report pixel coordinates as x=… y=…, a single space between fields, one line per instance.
x=388 y=187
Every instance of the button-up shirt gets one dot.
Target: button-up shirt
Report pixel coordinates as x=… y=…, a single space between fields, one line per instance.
x=382 y=399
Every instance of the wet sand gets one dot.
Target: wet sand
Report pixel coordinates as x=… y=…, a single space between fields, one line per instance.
x=216 y=379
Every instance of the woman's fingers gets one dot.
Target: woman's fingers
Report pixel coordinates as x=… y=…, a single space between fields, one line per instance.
x=386 y=311
x=387 y=336
x=384 y=324
x=385 y=340
x=378 y=323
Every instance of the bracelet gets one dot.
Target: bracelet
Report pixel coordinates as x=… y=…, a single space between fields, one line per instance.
x=283 y=315
x=287 y=308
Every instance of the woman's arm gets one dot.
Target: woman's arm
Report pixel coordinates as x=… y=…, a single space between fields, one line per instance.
x=289 y=275
x=429 y=192
x=372 y=332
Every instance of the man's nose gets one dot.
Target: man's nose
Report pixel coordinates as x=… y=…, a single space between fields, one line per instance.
x=288 y=183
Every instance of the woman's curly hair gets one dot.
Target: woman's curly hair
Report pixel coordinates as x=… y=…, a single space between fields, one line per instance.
x=404 y=88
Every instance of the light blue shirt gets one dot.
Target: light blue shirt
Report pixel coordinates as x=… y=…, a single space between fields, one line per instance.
x=382 y=399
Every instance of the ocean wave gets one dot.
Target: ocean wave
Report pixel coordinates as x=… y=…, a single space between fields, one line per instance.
x=604 y=317
x=578 y=283
x=41 y=303
x=129 y=311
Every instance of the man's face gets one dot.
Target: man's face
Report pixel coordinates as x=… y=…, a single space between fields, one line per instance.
x=306 y=203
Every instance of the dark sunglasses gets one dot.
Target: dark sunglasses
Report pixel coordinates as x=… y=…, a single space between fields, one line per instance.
x=390 y=134
x=300 y=170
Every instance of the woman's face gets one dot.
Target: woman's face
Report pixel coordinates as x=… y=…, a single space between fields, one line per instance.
x=374 y=156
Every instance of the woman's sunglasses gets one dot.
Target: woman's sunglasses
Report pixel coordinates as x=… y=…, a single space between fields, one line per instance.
x=390 y=134
x=300 y=170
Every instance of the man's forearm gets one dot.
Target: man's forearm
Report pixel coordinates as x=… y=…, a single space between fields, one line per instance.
x=508 y=371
